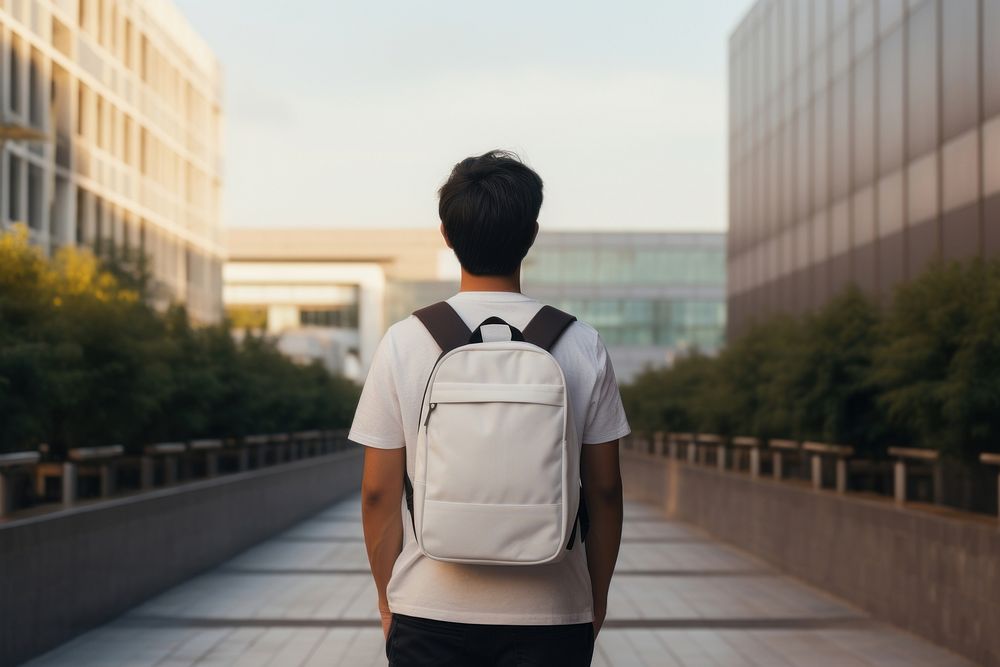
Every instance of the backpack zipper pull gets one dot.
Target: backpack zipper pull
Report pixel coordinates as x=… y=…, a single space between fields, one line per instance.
x=430 y=409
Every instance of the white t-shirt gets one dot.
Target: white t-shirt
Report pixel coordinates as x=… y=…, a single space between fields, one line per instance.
x=388 y=417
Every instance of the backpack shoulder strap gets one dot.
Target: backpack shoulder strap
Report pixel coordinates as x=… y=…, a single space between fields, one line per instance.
x=547 y=326
x=445 y=325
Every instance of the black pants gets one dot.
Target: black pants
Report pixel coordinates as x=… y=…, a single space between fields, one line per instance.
x=416 y=642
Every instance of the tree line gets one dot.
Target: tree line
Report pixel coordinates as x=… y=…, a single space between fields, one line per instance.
x=921 y=370
x=85 y=360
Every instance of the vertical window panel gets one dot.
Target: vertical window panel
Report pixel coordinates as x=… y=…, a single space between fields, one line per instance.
x=820 y=152
x=991 y=57
x=864 y=217
x=840 y=228
x=891 y=216
x=864 y=26
x=922 y=189
x=960 y=171
x=890 y=14
x=803 y=167
x=803 y=30
x=840 y=137
x=891 y=107
x=841 y=11
x=960 y=66
x=864 y=121
x=991 y=157
x=821 y=23
x=922 y=78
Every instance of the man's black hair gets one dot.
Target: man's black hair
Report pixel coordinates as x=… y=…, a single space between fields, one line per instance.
x=489 y=207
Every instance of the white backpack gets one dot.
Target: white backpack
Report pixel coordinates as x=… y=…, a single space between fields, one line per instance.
x=497 y=471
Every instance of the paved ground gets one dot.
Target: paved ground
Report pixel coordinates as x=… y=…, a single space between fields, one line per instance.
x=679 y=598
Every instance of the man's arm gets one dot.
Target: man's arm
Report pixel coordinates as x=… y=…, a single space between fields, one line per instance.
x=602 y=489
x=381 y=516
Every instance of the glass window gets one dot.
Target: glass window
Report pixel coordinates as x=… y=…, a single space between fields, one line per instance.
x=37 y=92
x=788 y=176
x=820 y=238
x=890 y=110
x=864 y=26
x=922 y=189
x=35 y=197
x=821 y=23
x=991 y=58
x=16 y=65
x=991 y=157
x=960 y=66
x=14 y=188
x=890 y=204
x=840 y=138
x=345 y=317
x=864 y=217
x=922 y=92
x=840 y=227
x=864 y=121
x=803 y=22
x=841 y=11
x=820 y=153
x=890 y=13
x=820 y=71
x=803 y=185
x=841 y=52
x=960 y=171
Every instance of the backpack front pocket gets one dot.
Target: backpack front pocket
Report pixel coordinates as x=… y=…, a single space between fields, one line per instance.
x=496 y=444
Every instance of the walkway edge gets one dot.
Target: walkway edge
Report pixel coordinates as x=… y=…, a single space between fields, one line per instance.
x=68 y=571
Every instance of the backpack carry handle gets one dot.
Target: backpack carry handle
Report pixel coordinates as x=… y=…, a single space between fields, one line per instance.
x=493 y=329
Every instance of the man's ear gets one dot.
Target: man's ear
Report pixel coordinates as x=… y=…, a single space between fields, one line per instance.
x=444 y=235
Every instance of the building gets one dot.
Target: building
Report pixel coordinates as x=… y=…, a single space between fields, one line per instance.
x=330 y=294
x=864 y=143
x=130 y=99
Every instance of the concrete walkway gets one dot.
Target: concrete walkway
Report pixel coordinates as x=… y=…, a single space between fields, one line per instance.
x=679 y=598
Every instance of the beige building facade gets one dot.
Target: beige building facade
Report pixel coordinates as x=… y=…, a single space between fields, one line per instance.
x=129 y=97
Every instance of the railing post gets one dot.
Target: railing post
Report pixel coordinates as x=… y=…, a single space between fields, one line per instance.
x=107 y=478
x=817 y=472
x=993 y=459
x=899 y=481
x=840 y=452
x=658 y=448
x=778 y=447
x=841 y=474
x=6 y=497
x=8 y=463
x=170 y=470
x=672 y=448
x=243 y=460
x=68 y=483
x=146 y=472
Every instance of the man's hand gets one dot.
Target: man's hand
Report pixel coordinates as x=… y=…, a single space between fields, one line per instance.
x=382 y=519
x=386 y=619
x=600 y=612
x=602 y=488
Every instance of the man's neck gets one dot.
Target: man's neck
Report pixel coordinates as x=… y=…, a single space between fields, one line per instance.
x=471 y=283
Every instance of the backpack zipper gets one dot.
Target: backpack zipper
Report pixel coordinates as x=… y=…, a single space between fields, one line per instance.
x=430 y=409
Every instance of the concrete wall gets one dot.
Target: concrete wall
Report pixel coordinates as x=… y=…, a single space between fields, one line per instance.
x=68 y=571
x=935 y=574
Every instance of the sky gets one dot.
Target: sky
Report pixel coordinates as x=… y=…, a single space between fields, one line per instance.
x=351 y=114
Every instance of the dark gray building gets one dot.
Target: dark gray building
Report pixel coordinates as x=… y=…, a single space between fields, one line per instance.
x=864 y=143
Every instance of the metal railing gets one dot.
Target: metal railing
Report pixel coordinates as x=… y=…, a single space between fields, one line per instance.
x=32 y=481
x=815 y=460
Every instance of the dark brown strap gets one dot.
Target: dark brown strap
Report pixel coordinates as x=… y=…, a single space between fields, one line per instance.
x=547 y=326
x=446 y=326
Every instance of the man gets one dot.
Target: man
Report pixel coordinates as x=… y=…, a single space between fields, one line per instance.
x=469 y=615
